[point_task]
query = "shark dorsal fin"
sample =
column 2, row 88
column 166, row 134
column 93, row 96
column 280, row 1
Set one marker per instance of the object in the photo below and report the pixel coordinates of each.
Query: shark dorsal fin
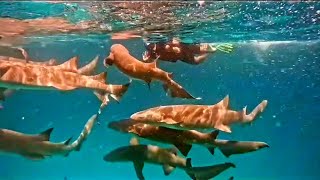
column 102, row 77
column 224, row 102
column 90, row 67
column 214, row 134
column 45, row 135
column 70, row 65
column 67, row 142
column 134, row 141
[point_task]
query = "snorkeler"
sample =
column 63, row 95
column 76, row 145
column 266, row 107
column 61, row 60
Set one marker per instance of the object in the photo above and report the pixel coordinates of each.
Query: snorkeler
column 175, row 50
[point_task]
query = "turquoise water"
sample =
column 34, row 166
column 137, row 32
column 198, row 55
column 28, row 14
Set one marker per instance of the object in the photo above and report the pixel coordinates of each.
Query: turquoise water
column 276, row 58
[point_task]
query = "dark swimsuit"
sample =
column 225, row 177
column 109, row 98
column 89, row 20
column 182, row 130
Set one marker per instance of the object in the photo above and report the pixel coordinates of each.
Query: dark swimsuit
column 187, row 54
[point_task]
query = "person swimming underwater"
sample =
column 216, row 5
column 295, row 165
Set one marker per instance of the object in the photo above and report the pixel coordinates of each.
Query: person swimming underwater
column 175, row 50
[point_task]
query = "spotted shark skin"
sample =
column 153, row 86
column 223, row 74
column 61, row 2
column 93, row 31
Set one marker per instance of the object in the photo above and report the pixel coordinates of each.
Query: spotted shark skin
column 196, row 117
column 147, row 72
column 183, row 140
column 38, row 146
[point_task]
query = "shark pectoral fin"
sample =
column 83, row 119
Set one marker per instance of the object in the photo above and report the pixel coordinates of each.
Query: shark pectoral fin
column 169, row 121
column 33, row 156
column 226, row 152
column 223, row 127
column 70, row 65
column 183, row 148
column 138, row 166
column 167, row 169
column 211, row 150
column 45, row 135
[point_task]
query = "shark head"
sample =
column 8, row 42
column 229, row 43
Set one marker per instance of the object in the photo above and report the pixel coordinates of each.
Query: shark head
column 108, row 61
column 260, row 145
column 122, row 125
column 115, row 49
column 119, row 154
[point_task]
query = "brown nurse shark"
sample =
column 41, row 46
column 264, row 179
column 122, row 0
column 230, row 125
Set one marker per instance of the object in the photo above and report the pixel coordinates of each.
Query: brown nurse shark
column 139, row 154
column 184, row 139
column 88, row 69
column 64, row 77
column 38, row 147
column 189, row 117
column 148, row 72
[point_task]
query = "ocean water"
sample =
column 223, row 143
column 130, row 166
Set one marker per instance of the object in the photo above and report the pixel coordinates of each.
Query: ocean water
column 276, row 57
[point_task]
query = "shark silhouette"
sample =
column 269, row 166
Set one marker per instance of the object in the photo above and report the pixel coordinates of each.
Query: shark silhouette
column 38, row 147
column 184, row 139
column 140, row 154
column 188, row 117
column 148, row 72
column 63, row 77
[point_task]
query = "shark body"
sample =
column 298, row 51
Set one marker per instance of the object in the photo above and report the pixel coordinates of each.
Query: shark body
column 38, row 146
column 185, row 139
column 140, row 154
column 147, row 72
column 194, row 117
column 64, row 77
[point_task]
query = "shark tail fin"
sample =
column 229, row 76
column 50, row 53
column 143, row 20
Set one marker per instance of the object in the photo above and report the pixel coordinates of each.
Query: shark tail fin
column 257, row 111
column 76, row 145
column 176, row 90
